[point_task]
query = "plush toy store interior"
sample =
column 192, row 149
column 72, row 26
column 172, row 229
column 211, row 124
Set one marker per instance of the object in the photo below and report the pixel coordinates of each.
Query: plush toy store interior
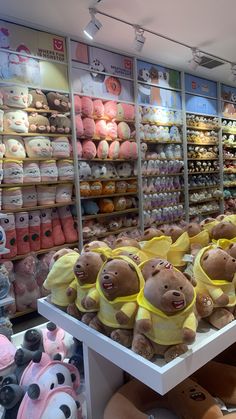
column 117, row 209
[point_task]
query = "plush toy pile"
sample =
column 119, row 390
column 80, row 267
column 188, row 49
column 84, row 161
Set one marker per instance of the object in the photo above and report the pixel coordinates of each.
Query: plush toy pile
column 43, row 376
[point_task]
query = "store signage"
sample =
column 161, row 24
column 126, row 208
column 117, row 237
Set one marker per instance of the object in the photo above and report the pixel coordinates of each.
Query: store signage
column 200, row 86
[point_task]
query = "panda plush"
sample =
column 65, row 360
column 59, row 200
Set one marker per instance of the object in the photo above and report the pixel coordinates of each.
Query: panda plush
column 97, row 66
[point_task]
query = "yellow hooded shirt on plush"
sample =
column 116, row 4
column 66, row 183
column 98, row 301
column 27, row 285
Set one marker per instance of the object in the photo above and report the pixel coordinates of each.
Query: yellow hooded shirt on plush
column 231, row 218
column 178, row 250
column 166, row 330
column 215, row 288
column 128, row 304
column 201, row 238
column 209, row 226
column 156, row 247
column 87, row 290
column 224, row 243
column 60, row 277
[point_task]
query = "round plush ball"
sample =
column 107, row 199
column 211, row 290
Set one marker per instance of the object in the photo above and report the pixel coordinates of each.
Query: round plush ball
column 108, row 187
column 123, row 131
column 112, row 130
column 88, row 150
column 89, row 127
column 114, row 150
column 102, row 149
column 128, row 150
column 106, row 205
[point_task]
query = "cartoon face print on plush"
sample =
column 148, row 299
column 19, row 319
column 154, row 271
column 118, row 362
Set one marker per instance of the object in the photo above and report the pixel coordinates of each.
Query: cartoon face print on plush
column 60, row 123
column 16, row 96
column 97, row 66
column 125, row 242
column 124, row 169
column 15, row 121
column 14, row 147
column 38, row 146
column 223, row 230
column 38, row 123
column 39, row 99
column 58, row 102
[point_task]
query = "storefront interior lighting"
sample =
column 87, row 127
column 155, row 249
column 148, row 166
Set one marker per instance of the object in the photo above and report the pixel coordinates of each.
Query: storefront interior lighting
column 139, row 38
column 93, row 26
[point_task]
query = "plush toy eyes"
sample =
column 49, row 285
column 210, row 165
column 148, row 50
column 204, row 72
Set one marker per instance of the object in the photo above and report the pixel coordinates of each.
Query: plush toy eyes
column 181, row 288
column 6, row 221
column 21, row 218
column 166, row 287
column 66, row 410
column 12, row 91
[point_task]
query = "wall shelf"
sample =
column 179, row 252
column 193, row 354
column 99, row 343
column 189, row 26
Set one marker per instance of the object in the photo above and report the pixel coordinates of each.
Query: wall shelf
column 203, row 173
column 34, row 134
column 42, row 251
column 109, row 195
column 211, row 128
column 38, row 207
column 195, row 188
column 109, row 214
column 57, row 182
column 164, row 174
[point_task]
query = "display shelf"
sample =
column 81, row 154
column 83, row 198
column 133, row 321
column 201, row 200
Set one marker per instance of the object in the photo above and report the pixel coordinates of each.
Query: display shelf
column 195, row 188
column 202, row 158
column 228, row 131
column 157, row 375
column 166, row 159
column 109, row 214
column 39, row 207
column 212, row 128
column 23, row 313
column 42, row 251
column 202, row 143
column 34, row 134
column 202, row 201
column 229, row 171
column 206, row 213
column 102, row 160
column 204, row 173
column 229, row 145
column 162, row 124
column 229, row 158
column 104, row 99
column 120, row 230
column 40, row 110
column 109, row 195
column 115, row 179
column 164, row 174
column 106, row 118
column 230, row 185
column 167, row 205
column 166, row 191
column 37, row 158
column 109, row 139
column 56, row 182
column 156, row 142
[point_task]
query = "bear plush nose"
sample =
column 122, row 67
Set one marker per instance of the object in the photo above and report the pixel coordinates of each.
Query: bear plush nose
column 176, row 294
column 106, row 277
column 78, row 266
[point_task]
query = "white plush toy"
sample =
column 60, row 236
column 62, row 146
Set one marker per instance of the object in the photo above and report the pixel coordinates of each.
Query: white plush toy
column 15, row 121
column 84, row 170
column 38, row 146
column 16, row 96
column 98, row 171
column 14, row 147
column 111, row 172
column 124, row 169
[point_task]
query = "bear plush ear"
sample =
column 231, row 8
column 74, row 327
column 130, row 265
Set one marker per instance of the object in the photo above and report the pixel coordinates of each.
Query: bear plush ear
column 205, row 257
column 103, row 257
column 132, row 267
column 156, row 271
column 191, row 279
column 231, row 245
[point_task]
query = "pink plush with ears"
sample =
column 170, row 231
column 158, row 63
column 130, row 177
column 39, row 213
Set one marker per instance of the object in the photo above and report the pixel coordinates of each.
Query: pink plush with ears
column 8, row 225
column 98, row 108
column 114, row 150
column 87, row 106
column 110, row 109
column 128, row 150
column 25, row 285
column 22, row 232
column 79, row 126
column 46, row 229
column 88, row 150
column 78, row 105
column 89, row 127
column 68, row 225
column 112, row 130
column 79, row 149
column 102, row 149
column 57, row 233
column 34, row 231
column 101, row 129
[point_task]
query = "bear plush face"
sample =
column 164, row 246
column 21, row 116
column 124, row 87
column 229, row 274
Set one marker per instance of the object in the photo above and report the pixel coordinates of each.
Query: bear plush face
column 118, row 278
column 94, row 245
column 150, row 266
column 224, row 230
column 87, row 267
column 126, row 241
column 135, row 258
column 218, row 265
column 168, row 290
column 151, row 232
column 174, row 232
column 193, row 229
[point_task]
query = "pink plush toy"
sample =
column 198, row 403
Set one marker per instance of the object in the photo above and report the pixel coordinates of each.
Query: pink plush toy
column 98, row 108
column 60, row 147
column 128, row 150
column 64, row 193
column 89, row 127
column 125, row 111
column 46, row 229
column 46, row 194
column 15, row 121
column 29, row 196
column 22, row 232
column 34, row 230
column 103, row 149
column 87, row 106
column 48, row 171
column 57, row 233
column 8, row 225
column 12, row 171
column 42, row 271
column 31, row 172
column 123, row 131
column 101, row 129
column 79, row 126
column 1, row 120
column 65, row 169
column 79, row 149
column 88, row 150
column 68, row 225
column 112, row 130
column 12, row 198
column 114, row 150
column 78, row 105
column 25, row 285
column 14, row 147
column 110, row 109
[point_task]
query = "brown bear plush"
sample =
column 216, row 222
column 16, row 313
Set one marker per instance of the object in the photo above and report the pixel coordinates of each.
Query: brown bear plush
column 86, row 270
column 58, row 102
column 118, row 285
column 166, row 320
column 214, row 270
column 149, row 266
column 60, row 123
column 38, row 123
column 150, row 233
column 126, row 242
column 39, row 99
column 232, row 250
column 223, row 230
column 96, row 244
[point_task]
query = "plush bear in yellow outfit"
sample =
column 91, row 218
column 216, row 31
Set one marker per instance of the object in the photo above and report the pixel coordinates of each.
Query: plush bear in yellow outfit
column 224, row 230
column 166, row 319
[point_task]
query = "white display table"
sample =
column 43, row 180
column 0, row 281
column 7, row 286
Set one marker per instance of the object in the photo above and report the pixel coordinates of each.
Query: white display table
column 105, row 360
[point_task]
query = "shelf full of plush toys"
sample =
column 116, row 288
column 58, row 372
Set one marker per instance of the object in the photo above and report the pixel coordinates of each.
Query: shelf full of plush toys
column 134, row 285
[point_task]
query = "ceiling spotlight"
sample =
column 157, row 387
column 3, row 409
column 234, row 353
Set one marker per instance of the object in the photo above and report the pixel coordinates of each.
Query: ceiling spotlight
column 139, row 38
column 196, row 60
column 93, row 26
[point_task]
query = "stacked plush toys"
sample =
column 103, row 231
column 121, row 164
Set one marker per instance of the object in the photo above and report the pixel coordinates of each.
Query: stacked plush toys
column 42, row 377
column 149, row 293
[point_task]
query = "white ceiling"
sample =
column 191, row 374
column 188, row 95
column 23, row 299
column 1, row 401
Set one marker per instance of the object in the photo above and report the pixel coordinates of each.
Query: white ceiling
column 206, row 24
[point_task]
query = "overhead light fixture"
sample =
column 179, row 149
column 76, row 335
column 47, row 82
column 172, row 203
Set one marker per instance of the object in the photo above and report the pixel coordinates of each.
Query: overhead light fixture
column 93, row 26
column 196, row 60
column 139, row 38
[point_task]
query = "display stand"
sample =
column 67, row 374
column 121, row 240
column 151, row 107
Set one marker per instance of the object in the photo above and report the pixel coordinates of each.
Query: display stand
column 105, row 359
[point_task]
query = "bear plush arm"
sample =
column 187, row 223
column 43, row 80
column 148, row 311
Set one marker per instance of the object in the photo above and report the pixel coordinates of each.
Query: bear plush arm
column 126, row 312
column 91, row 301
column 72, row 290
column 189, row 328
column 143, row 320
column 218, row 296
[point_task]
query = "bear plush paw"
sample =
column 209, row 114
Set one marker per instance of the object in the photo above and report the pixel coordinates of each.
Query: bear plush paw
column 188, row 335
column 88, row 303
column 122, row 318
column 175, row 351
column 221, row 317
column 87, row 318
column 124, row 337
column 142, row 346
column 204, row 305
column 222, row 301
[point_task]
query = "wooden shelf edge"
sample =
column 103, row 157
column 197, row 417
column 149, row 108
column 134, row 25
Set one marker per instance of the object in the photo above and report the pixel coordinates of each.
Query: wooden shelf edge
column 109, row 214
column 39, row 207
